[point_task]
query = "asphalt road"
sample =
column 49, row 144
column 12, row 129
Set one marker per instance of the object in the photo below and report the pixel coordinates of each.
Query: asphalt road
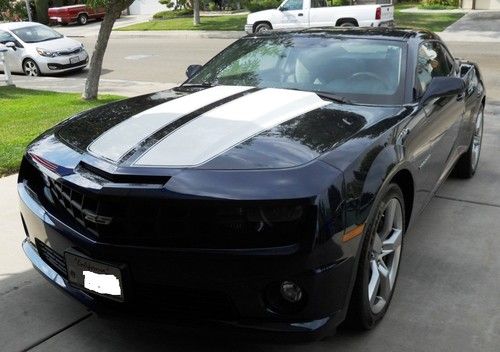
column 448, row 294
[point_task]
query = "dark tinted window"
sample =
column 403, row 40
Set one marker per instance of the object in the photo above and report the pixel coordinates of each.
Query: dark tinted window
column 318, row 3
column 362, row 70
column 432, row 62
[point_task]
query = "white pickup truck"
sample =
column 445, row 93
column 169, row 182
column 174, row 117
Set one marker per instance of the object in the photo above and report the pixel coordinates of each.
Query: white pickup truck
column 299, row 14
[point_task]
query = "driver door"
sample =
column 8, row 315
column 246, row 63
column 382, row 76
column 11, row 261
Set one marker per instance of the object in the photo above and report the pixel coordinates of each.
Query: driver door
column 292, row 15
column 13, row 56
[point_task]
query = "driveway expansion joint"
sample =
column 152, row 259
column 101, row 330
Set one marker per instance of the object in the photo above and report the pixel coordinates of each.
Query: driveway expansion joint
column 469, row 201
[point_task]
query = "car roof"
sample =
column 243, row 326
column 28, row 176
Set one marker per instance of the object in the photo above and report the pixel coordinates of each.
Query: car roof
column 15, row 25
column 393, row 33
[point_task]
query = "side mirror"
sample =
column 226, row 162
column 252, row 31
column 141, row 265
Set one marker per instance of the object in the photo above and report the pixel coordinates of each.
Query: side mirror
column 11, row 45
column 442, row 87
column 282, row 8
column 192, row 70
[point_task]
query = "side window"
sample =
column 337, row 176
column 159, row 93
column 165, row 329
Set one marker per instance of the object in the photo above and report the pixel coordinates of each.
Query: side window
column 292, row 5
column 6, row 37
column 432, row 61
column 318, row 3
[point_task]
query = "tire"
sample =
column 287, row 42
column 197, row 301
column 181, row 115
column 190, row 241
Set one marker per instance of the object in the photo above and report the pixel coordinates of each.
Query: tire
column 347, row 24
column 467, row 164
column 30, row 68
column 263, row 27
column 369, row 300
column 82, row 19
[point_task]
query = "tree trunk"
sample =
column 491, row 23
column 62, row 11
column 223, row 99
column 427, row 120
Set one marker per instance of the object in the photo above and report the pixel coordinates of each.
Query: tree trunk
column 196, row 12
column 92, row 82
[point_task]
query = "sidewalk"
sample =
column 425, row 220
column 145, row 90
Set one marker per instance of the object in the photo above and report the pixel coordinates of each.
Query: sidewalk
column 76, row 85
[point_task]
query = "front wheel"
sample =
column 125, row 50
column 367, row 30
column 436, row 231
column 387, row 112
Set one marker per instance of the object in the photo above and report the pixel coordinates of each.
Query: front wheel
column 379, row 262
column 467, row 164
column 262, row 27
column 30, row 68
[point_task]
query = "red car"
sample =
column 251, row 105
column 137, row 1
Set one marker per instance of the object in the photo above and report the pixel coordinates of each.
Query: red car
column 75, row 13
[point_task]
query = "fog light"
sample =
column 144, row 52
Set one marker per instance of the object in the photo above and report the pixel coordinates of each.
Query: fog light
column 290, row 291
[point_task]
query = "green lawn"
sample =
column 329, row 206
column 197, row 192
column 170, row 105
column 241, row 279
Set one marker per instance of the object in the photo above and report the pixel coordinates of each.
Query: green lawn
column 435, row 22
column 24, row 114
column 208, row 23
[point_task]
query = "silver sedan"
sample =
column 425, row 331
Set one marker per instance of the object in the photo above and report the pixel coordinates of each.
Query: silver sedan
column 35, row 49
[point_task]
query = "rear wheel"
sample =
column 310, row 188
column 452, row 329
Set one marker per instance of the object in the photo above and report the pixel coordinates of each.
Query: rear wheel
column 379, row 262
column 263, row 27
column 82, row 19
column 30, row 68
column 467, row 164
column 347, row 24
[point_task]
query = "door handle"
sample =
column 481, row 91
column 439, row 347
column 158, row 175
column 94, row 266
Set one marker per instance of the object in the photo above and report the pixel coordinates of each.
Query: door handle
column 300, row 14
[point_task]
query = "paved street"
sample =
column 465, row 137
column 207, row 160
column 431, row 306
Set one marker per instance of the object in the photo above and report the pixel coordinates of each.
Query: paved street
column 448, row 290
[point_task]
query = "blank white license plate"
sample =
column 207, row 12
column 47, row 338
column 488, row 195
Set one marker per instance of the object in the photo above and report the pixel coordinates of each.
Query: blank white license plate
column 94, row 276
column 74, row 60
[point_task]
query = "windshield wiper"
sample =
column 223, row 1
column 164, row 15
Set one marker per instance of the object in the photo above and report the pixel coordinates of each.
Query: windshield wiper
column 333, row 97
column 330, row 96
column 198, row 85
column 46, row 39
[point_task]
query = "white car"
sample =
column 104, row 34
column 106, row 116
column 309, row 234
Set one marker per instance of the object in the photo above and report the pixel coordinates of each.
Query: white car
column 35, row 49
column 301, row 14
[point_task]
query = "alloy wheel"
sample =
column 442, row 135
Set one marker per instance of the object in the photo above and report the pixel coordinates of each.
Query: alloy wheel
column 477, row 140
column 30, row 68
column 385, row 255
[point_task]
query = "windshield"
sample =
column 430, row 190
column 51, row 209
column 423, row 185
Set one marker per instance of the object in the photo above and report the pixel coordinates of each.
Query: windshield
column 36, row 34
column 361, row 70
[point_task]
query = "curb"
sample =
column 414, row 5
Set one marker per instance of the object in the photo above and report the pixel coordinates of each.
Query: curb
column 181, row 34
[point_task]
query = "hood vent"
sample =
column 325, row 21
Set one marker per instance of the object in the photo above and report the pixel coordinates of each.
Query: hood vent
column 121, row 178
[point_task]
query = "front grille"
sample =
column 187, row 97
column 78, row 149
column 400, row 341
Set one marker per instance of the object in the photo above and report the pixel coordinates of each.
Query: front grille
column 195, row 302
column 69, row 52
column 146, row 218
column 54, row 259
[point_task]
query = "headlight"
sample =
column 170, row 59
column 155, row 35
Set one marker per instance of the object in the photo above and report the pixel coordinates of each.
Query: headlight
column 46, row 53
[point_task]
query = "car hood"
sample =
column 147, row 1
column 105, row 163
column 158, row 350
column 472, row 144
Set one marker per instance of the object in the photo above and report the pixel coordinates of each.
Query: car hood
column 61, row 44
column 223, row 127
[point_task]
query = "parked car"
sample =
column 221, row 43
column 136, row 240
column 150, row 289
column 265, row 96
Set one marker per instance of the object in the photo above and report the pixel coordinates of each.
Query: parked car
column 270, row 191
column 35, row 49
column 299, row 14
column 75, row 13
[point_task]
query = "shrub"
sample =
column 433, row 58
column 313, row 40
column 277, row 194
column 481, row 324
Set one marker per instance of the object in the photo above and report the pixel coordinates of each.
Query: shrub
column 259, row 5
column 340, row 2
column 439, row 4
column 165, row 15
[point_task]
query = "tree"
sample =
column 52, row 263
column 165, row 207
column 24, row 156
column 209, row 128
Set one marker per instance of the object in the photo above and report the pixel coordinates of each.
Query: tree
column 113, row 10
column 196, row 12
column 42, row 8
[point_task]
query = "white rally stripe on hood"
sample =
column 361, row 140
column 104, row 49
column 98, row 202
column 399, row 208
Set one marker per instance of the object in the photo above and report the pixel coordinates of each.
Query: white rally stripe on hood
column 116, row 142
column 228, row 125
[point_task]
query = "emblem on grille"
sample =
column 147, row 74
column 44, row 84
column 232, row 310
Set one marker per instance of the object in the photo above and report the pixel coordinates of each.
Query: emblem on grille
column 97, row 219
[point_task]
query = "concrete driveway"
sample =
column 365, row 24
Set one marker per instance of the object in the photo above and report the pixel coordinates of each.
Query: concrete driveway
column 447, row 296
column 481, row 26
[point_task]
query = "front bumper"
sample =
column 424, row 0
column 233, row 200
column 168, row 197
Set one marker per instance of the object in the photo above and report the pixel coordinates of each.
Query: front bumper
column 249, row 28
column 240, row 277
column 64, row 63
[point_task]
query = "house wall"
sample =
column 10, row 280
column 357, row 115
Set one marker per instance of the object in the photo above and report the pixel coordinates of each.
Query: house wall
column 146, row 7
column 482, row 4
